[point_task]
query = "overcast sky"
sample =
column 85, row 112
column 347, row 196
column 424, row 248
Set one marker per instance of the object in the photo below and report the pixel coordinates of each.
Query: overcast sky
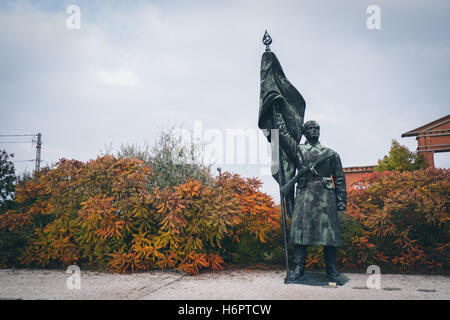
column 136, row 66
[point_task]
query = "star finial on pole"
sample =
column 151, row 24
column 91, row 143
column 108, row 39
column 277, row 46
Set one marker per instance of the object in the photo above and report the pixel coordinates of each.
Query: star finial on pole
column 267, row 40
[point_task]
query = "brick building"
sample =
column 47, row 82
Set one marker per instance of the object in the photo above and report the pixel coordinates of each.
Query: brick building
column 353, row 173
column 432, row 137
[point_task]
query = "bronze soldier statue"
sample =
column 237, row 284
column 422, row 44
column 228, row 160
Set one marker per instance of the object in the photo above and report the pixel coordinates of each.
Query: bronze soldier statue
column 315, row 215
column 314, row 208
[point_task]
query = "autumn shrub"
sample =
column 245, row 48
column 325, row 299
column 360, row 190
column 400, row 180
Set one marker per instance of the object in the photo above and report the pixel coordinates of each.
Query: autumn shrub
column 257, row 233
column 103, row 214
column 399, row 221
column 77, row 211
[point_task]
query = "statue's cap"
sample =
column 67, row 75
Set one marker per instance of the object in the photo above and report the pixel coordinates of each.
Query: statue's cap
column 310, row 123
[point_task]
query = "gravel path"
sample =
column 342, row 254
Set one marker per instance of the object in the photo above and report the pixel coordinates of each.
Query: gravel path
column 227, row 285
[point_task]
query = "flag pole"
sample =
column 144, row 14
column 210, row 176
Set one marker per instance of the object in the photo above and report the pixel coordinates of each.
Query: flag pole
column 276, row 170
column 283, row 213
column 276, row 166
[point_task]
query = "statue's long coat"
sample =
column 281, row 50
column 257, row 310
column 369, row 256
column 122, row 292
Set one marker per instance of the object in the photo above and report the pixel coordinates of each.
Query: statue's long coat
column 315, row 218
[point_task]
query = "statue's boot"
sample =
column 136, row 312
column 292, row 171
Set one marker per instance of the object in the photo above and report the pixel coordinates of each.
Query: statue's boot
column 299, row 263
column 330, row 263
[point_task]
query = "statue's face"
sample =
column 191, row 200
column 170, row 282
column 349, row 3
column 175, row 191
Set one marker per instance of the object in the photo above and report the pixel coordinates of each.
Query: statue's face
column 312, row 132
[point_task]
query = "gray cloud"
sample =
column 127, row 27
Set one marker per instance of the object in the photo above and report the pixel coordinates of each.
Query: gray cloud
column 137, row 65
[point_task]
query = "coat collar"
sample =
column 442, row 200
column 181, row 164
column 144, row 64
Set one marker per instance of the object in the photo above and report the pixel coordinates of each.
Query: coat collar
column 309, row 145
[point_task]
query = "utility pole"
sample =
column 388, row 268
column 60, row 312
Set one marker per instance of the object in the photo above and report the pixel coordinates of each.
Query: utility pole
column 38, row 152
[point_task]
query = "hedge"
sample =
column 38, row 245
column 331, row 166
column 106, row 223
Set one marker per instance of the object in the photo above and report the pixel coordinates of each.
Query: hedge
column 103, row 214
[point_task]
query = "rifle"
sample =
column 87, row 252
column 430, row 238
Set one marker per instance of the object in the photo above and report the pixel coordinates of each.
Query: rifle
column 290, row 184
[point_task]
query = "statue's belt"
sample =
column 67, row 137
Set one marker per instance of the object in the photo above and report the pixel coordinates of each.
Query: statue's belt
column 325, row 181
column 304, row 172
column 314, row 178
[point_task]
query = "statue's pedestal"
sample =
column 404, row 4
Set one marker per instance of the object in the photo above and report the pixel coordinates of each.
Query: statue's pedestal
column 319, row 279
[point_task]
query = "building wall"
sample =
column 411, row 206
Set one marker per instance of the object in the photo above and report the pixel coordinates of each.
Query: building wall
column 437, row 140
column 354, row 173
column 432, row 137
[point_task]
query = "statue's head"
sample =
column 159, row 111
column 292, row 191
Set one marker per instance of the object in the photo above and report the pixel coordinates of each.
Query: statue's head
column 311, row 130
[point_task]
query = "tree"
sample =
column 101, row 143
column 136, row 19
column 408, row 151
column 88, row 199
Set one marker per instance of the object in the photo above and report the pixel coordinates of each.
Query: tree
column 7, row 180
column 171, row 161
column 401, row 159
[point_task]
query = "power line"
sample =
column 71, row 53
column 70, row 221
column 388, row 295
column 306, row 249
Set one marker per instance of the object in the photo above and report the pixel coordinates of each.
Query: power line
column 17, row 135
column 20, row 135
column 16, row 142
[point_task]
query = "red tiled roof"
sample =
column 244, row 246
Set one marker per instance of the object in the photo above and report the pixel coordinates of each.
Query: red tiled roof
column 427, row 127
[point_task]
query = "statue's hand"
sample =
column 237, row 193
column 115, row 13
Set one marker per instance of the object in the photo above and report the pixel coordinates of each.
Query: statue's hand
column 312, row 169
column 277, row 106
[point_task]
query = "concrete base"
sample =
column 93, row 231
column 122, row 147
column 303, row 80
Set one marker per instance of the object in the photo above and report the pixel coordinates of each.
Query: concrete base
column 318, row 279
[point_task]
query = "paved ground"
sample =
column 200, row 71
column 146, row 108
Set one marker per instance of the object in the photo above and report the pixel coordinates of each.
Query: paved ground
column 226, row 285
